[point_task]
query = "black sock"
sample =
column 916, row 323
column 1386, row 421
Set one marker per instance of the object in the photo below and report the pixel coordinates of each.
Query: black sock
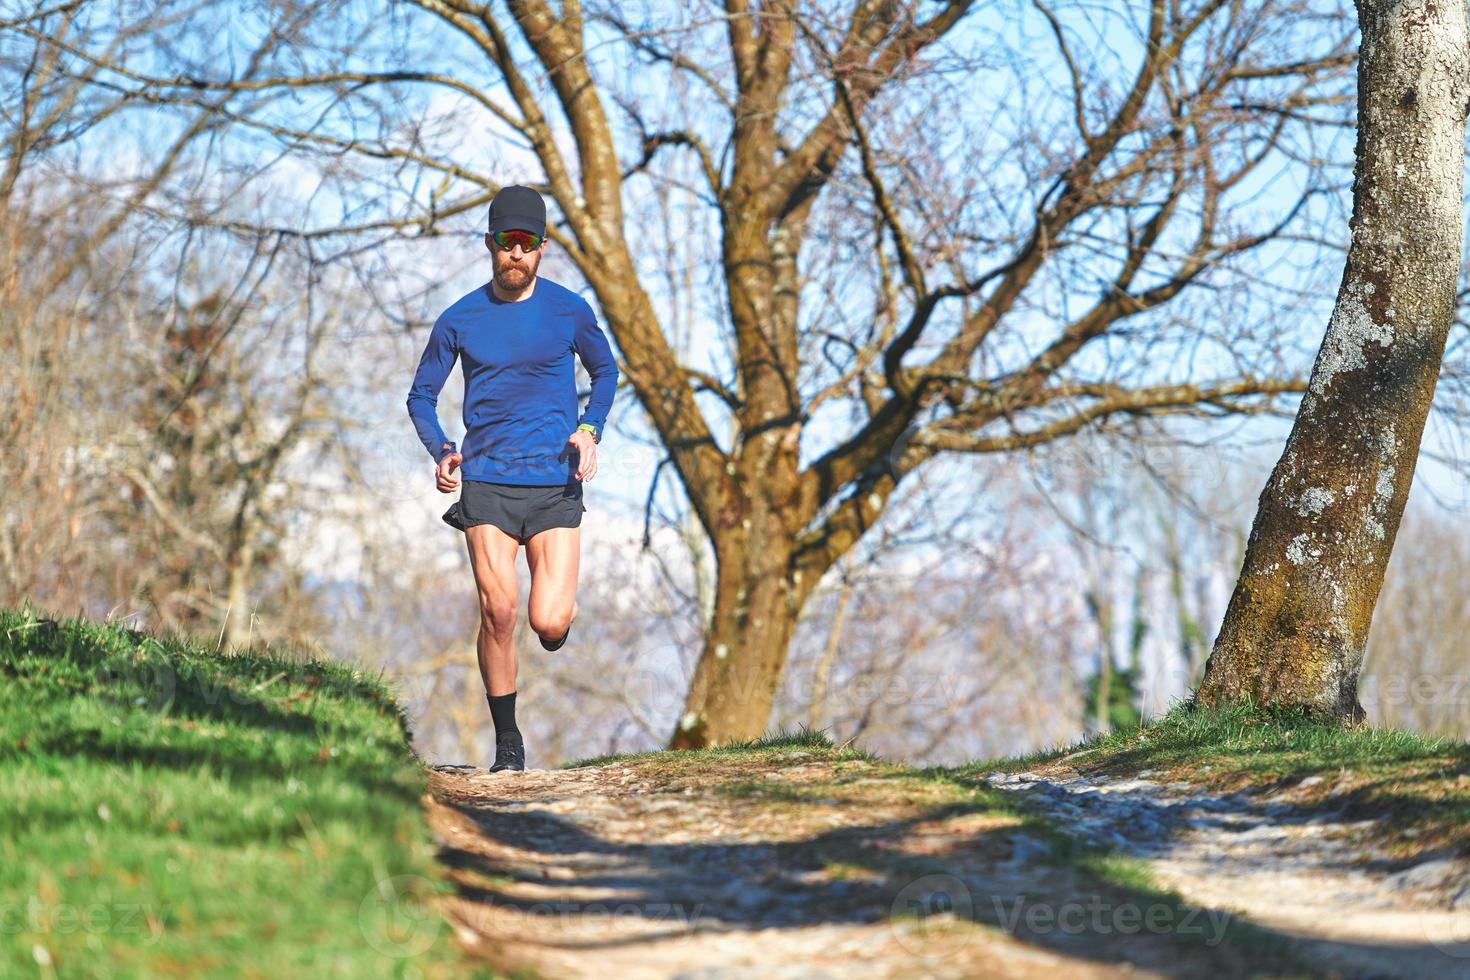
column 503, row 712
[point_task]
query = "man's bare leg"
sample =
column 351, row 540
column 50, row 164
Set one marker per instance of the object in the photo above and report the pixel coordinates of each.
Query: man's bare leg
column 493, row 558
column 553, row 556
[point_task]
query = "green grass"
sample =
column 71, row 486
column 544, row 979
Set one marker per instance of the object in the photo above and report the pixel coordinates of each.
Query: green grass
column 172, row 811
column 1258, row 741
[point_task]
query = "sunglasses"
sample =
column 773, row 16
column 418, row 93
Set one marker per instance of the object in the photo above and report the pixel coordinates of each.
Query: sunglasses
column 507, row 240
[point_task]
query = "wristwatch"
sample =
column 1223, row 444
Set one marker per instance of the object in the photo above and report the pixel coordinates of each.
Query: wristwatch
column 596, row 432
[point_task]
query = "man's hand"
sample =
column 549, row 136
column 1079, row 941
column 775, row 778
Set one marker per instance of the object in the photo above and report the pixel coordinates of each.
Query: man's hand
column 586, row 448
column 448, row 480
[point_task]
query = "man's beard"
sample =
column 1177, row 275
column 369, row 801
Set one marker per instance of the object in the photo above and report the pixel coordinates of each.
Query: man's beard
column 513, row 277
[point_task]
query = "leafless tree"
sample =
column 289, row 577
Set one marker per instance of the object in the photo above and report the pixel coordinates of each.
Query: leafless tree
column 157, row 391
column 1416, row 671
column 216, row 460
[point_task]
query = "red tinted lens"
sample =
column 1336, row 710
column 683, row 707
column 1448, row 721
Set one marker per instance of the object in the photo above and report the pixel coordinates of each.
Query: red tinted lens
column 510, row 239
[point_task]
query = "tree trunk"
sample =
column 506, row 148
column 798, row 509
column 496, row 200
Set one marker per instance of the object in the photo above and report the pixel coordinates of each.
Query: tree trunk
column 1101, row 607
column 758, row 594
column 817, row 706
column 237, row 607
column 1297, row 624
column 734, row 686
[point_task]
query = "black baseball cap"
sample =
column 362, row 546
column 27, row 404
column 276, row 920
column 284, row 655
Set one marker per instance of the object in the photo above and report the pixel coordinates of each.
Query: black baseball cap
column 518, row 208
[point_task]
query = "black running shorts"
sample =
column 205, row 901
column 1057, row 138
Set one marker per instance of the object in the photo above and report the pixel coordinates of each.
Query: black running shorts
column 518, row 511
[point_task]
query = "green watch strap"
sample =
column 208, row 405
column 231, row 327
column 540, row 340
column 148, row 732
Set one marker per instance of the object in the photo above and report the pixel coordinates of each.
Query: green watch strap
column 596, row 434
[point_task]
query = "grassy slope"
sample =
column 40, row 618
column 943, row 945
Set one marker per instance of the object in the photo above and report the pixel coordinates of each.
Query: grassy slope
column 171, row 811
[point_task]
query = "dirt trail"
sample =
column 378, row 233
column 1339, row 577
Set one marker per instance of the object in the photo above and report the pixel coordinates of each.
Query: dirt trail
column 793, row 866
column 613, row 871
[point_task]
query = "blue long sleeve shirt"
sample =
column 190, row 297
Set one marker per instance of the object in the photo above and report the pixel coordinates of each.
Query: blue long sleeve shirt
column 520, row 393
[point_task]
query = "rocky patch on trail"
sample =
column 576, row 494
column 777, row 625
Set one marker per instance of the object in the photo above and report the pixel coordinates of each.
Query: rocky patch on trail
column 1305, row 871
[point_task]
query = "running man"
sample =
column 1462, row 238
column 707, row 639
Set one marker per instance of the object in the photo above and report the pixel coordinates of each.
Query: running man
column 526, row 454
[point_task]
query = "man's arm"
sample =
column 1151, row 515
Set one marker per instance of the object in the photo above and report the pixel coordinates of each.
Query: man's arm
column 423, row 397
column 596, row 353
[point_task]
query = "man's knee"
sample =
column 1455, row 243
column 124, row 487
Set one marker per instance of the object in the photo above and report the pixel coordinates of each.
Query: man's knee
column 551, row 622
column 497, row 612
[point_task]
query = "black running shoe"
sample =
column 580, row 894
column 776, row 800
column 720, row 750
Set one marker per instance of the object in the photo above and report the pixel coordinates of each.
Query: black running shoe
column 554, row 644
column 510, row 752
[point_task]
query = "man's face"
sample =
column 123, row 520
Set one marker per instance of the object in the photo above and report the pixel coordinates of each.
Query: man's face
column 514, row 268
